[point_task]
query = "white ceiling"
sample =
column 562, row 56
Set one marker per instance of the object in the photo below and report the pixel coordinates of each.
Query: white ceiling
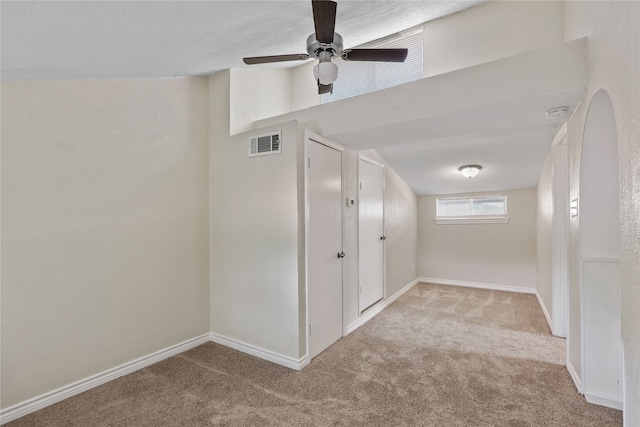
column 509, row 140
column 107, row 39
column 510, row 160
column 122, row 39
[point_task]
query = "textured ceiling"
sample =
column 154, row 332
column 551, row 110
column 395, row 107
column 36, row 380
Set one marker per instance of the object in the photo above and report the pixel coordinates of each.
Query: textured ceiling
column 123, row 39
column 108, row 39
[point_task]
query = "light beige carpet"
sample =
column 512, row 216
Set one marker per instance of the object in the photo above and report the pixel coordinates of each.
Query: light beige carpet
column 438, row 356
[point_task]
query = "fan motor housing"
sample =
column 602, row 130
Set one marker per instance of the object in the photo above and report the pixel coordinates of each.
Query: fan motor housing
column 314, row 47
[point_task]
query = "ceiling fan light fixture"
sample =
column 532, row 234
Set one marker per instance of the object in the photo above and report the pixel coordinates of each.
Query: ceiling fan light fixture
column 469, row 171
column 325, row 43
column 325, row 72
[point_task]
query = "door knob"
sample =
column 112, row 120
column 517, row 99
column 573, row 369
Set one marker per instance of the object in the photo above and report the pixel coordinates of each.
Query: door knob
column 341, row 254
column 383, row 237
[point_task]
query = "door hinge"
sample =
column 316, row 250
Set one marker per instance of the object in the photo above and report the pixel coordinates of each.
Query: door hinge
column 309, row 163
column 360, row 289
column 361, row 185
column 309, row 328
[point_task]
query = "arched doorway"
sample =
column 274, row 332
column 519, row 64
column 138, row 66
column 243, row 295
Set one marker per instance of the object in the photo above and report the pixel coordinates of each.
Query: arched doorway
column 600, row 255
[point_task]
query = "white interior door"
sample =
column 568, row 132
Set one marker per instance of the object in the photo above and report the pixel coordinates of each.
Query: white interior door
column 324, row 245
column 370, row 233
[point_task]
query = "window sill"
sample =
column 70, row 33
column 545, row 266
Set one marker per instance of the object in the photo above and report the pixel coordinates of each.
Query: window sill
column 484, row 220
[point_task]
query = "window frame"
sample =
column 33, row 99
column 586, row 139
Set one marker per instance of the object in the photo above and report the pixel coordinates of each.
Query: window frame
column 473, row 219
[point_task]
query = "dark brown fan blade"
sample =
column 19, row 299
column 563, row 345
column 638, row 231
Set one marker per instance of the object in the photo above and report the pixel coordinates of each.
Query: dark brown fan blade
column 324, row 18
column 322, row 89
column 383, row 55
column 275, row 58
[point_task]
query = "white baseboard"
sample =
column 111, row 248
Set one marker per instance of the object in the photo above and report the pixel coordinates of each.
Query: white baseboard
column 370, row 313
column 603, row 401
column 31, row 405
column 478, row 285
column 544, row 311
column 574, row 377
column 261, row 353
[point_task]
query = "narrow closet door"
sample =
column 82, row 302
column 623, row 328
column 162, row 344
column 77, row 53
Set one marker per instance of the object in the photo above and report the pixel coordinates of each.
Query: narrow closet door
column 370, row 232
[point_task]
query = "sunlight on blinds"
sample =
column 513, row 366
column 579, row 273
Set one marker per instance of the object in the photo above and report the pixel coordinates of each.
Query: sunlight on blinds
column 360, row 77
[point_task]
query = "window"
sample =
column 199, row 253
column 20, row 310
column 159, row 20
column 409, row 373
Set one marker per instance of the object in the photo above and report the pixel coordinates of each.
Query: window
column 360, row 77
column 472, row 210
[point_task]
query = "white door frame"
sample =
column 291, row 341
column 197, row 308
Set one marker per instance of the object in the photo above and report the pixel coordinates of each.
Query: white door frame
column 384, row 246
column 310, row 136
column 560, row 233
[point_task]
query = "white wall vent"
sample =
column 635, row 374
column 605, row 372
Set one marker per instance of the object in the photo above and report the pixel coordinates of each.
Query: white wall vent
column 263, row 145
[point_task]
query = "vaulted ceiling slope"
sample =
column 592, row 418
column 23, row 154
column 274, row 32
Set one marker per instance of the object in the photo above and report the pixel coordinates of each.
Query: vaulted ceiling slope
column 120, row 39
column 492, row 114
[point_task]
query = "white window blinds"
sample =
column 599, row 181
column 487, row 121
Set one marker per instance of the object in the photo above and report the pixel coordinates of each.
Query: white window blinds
column 359, row 77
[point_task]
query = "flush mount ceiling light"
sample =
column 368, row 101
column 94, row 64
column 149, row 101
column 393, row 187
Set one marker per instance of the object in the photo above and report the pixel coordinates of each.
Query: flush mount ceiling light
column 469, row 171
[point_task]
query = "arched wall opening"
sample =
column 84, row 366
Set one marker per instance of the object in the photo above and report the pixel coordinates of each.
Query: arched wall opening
column 600, row 182
column 599, row 216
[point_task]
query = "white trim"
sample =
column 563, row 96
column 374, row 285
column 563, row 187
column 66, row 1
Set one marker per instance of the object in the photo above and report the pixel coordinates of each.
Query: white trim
column 611, row 260
column 369, row 160
column 545, row 312
column 31, row 405
column 377, row 308
column 473, row 220
column 561, row 136
column 603, row 401
column 478, row 285
column 560, row 234
column 321, row 140
column 305, row 167
column 574, row 377
column 261, row 353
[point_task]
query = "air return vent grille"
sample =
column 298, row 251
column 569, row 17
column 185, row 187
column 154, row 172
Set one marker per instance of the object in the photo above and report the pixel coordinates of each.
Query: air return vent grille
column 263, row 145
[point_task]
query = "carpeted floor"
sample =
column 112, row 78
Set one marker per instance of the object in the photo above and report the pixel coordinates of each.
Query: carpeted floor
column 438, row 356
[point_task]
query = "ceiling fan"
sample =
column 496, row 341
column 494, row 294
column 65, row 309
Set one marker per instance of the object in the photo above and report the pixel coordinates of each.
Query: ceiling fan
column 325, row 44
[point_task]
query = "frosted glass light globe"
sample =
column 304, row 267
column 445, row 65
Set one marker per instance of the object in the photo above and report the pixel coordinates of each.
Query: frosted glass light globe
column 469, row 171
column 326, row 72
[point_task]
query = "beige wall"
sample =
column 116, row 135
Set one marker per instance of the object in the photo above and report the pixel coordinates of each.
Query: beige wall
column 544, row 234
column 495, row 254
column 258, row 93
column 254, row 233
column 255, row 94
column 104, row 226
column 490, row 31
column 614, row 65
column 304, row 89
column 262, row 220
